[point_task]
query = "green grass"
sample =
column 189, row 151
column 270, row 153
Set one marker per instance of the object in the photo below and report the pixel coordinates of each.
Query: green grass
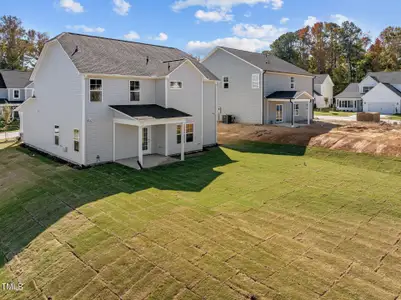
column 273, row 221
column 13, row 126
column 395, row 117
column 334, row 113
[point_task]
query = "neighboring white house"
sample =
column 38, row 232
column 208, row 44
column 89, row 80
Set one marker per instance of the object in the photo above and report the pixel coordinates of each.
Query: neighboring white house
column 15, row 88
column 100, row 100
column 323, row 90
column 261, row 89
column 377, row 92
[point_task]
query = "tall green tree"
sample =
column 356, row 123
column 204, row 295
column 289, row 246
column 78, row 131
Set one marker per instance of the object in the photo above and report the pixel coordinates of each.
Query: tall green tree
column 391, row 41
column 285, row 47
column 19, row 48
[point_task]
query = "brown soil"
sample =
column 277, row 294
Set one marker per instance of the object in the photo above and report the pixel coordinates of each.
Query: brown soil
column 373, row 138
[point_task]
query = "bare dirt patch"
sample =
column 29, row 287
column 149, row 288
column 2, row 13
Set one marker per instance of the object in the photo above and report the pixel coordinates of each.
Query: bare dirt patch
column 379, row 139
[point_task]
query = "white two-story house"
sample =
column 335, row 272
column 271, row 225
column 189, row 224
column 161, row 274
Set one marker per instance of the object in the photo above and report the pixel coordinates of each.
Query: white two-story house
column 377, row 92
column 323, row 90
column 261, row 89
column 15, row 87
column 101, row 100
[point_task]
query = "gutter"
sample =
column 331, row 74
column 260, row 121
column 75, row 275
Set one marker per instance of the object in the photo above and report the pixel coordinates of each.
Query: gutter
column 263, row 97
column 292, row 112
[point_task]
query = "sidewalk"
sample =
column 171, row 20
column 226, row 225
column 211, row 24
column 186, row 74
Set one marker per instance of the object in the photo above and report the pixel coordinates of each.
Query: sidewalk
column 9, row 135
column 383, row 118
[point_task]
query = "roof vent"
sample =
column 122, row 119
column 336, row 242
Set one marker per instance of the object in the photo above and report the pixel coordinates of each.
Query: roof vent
column 168, row 66
column 147, row 59
column 76, row 50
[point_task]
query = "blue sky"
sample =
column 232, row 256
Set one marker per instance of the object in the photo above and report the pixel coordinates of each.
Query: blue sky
column 197, row 26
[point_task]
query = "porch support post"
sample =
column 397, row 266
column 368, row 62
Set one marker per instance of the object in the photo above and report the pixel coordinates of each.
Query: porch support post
column 183, row 127
column 114, row 141
column 309, row 112
column 140, row 150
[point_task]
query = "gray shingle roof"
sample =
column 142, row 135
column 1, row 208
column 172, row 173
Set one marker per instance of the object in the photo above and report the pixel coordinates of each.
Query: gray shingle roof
column 100, row 55
column 149, row 110
column 351, row 91
column 269, row 63
column 320, row 78
column 386, row 77
column 14, row 79
column 285, row 95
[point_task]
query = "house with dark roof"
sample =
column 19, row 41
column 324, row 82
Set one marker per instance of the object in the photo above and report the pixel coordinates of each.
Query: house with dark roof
column 101, row 100
column 261, row 88
column 377, row 92
column 323, row 90
column 15, row 87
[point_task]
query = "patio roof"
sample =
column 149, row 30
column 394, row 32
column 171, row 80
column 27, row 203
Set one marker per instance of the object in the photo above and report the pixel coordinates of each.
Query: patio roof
column 289, row 95
column 149, row 110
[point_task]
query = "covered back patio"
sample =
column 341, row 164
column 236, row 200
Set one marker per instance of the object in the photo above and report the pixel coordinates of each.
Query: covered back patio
column 289, row 108
column 140, row 134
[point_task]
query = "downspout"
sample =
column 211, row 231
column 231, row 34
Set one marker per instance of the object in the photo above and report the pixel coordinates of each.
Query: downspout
column 263, row 97
column 292, row 112
column 313, row 100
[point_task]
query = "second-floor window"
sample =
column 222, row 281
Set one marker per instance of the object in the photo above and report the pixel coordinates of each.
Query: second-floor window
column 255, row 81
column 95, row 90
column 176, row 85
column 366, row 89
column 134, row 91
column 292, row 82
column 16, row 94
column 226, row 82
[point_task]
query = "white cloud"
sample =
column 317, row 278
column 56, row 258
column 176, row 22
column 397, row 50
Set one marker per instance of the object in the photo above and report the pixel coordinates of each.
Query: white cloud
column 121, row 7
column 265, row 32
column 339, row 19
column 131, row 36
column 223, row 4
column 202, row 48
column 311, row 21
column 284, row 20
column 71, row 6
column 161, row 37
column 214, row 16
column 248, row 14
column 85, row 28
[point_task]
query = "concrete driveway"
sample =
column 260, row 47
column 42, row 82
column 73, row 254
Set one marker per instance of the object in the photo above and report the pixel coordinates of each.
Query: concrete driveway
column 9, row 135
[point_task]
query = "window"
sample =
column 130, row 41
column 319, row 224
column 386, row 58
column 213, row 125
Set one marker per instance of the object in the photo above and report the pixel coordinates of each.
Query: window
column 366, row 89
column 175, row 85
column 296, row 110
column 134, row 91
column 56, row 135
column 95, row 90
column 189, row 133
column 255, row 81
column 292, row 83
column 226, row 82
column 76, row 140
column 16, row 94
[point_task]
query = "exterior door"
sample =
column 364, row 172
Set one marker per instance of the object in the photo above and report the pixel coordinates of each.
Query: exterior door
column 279, row 113
column 146, row 140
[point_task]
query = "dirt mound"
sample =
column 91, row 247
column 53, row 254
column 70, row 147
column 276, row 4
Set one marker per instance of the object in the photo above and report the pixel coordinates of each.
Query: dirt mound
column 381, row 138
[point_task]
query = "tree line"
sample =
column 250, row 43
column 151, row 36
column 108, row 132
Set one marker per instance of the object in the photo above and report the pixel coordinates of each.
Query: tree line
column 343, row 51
column 19, row 47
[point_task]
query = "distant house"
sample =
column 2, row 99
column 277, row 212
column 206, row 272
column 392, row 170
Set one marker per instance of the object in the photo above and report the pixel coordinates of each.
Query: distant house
column 101, row 100
column 15, row 87
column 377, row 92
column 261, row 89
column 323, row 90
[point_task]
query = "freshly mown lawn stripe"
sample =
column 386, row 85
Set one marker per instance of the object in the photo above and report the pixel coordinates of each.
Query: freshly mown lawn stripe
column 248, row 219
column 334, row 113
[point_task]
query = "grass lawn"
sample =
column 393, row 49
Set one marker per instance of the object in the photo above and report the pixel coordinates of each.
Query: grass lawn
column 276, row 222
column 395, row 117
column 334, row 113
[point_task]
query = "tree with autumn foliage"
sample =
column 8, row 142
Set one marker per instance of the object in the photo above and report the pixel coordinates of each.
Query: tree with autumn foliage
column 19, row 48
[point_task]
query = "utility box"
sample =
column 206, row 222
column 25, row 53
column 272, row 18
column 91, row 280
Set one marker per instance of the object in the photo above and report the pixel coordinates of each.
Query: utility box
column 228, row 119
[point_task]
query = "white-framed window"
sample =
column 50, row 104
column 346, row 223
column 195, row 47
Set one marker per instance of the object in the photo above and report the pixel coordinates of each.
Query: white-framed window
column 56, row 135
column 226, row 82
column 189, row 133
column 292, row 82
column 76, row 140
column 255, row 81
column 16, row 94
column 134, row 91
column 296, row 110
column 366, row 89
column 95, row 90
column 175, row 85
